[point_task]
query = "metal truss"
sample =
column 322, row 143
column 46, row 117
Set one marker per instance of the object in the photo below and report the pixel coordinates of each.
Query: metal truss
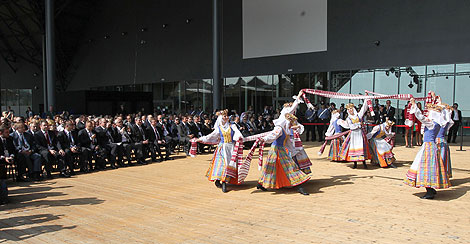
column 16, row 38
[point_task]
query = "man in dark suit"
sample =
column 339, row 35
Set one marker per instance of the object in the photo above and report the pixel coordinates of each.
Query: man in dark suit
column 90, row 149
column 46, row 142
column 81, row 123
column 311, row 116
column 456, row 116
column 139, row 137
column 105, row 141
column 69, row 143
column 26, row 156
column 7, row 152
column 184, row 134
column 195, row 127
column 157, row 142
column 389, row 111
column 173, row 129
column 124, row 136
column 163, row 127
column 193, row 131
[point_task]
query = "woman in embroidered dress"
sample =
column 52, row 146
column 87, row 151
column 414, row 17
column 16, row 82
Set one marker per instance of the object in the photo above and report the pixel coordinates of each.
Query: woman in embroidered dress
column 333, row 129
column 299, row 155
column 280, row 170
column 355, row 147
column 221, row 168
column 441, row 142
column 381, row 150
column 427, row 169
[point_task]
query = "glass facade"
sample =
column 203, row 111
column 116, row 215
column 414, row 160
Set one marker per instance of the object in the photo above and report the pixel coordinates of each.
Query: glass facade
column 17, row 99
column 450, row 81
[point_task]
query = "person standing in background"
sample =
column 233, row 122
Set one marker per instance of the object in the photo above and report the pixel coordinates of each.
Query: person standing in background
column 457, row 118
column 323, row 117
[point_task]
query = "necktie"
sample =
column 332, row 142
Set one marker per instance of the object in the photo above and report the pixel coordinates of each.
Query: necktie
column 156, row 133
column 47, row 138
column 142, row 132
column 5, row 152
column 22, row 141
column 71, row 138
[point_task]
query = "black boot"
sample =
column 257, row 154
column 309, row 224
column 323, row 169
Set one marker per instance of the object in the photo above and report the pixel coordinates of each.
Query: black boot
column 302, row 191
column 392, row 166
column 217, row 184
column 355, row 165
column 224, row 187
column 365, row 165
column 260, row 187
column 430, row 193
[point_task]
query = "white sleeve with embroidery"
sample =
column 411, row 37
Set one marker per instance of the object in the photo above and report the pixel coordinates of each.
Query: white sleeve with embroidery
column 424, row 121
column 363, row 109
column 213, row 137
column 343, row 123
column 273, row 135
column 372, row 133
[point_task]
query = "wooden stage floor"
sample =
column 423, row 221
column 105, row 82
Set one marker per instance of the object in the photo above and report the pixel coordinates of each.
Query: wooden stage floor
column 172, row 202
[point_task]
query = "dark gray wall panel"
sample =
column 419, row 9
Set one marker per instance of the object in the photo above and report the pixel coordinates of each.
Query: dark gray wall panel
column 410, row 32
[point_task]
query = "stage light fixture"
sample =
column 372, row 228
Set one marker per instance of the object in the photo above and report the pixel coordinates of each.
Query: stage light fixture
column 124, row 33
column 410, row 85
column 433, row 72
column 164, row 26
column 377, row 43
column 143, row 29
column 392, row 70
column 142, row 42
column 447, row 77
column 398, row 74
column 106, row 37
column 188, row 20
column 35, row 74
column 387, row 73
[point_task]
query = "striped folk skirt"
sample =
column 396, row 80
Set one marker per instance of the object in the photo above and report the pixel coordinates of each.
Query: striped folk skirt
column 280, row 170
column 220, row 163
column 355, row 147
column 303, row 161
column 444, row 150
column 335, row 149
column 427, row 169
column 381, row 152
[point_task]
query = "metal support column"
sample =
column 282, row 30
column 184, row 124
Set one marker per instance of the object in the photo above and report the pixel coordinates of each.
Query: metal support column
column 50, row 53
column 216, row 76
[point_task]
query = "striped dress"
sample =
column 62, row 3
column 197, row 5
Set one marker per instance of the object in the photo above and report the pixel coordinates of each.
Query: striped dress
column 280, row 170
column 299, row 155
column 427, row 169
column 335, row 145
column 380, row 149
column 355, row 147
column 220, row 163
column 444, row 150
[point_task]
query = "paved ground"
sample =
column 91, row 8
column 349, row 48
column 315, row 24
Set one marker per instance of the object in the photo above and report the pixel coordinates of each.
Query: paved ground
column 172, row 202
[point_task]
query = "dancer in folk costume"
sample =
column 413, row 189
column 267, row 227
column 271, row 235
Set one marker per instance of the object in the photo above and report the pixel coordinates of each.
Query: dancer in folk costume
column 427, row 169
column 280, row 170
column 299, row 155
column 380, row 149
column 441, row 141
column 355, row 147
column 334, row 129
column 222, row 168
